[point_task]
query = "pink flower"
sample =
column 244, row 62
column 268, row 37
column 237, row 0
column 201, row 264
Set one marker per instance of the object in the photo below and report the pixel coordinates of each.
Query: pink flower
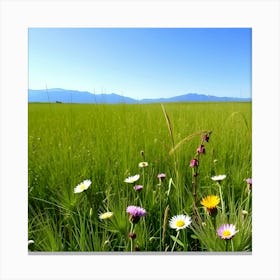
column 205, row 137
column 194, row 163
column 138, row 188
column 226, row 231
column 161, row 176
column 201, row 149
column 249, row 181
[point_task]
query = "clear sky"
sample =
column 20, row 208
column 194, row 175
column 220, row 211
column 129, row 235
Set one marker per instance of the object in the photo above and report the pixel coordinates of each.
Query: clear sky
column 142, row 62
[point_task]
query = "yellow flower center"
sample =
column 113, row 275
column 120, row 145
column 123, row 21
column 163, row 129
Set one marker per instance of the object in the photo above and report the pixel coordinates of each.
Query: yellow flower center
column 180, row 223
column 226, row 233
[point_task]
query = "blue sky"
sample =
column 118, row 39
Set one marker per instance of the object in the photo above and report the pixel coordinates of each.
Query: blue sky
column 142, row 62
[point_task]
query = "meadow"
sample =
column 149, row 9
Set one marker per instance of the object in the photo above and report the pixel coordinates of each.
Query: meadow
column 84, row 194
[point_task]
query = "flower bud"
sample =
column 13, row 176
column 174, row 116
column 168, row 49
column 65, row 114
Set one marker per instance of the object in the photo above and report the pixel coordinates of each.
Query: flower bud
column 194, row 163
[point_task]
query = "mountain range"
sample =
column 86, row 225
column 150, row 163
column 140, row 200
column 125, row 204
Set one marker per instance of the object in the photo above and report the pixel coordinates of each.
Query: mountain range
column 58, row 95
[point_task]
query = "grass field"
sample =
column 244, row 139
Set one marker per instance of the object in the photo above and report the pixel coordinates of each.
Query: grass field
column 70, row 143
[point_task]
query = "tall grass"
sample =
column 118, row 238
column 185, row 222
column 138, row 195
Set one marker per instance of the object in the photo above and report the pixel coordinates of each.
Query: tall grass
column 69, row 143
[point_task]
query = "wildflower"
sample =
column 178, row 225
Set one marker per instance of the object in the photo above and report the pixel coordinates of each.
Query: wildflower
column 143, row 164
column 210, row 202
column 161, row 176
column 249, row 183
column 206, row 137
column 135, row 213
column 138, row 188
column 106, row 215
column 132, row 179
column 194, row 163
column 215, row 160
column 201, row 149
column 180, row 222
column 132, row 235
column 218, row 178
column 226, row 231
column 30, row 242
column 82, row 186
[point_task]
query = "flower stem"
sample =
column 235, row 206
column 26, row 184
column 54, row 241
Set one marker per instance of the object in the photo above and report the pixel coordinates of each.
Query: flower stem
column 175, row 241
column 227, row 245
column 232, row 248
column 195, row 194
column 221, row 197
column 131, row 239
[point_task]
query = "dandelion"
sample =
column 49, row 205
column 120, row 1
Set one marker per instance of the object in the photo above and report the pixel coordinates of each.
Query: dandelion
column 194, row 163
column 106, row 215
column 226, row 231
column 143, row 164
column 179, row 222
column 82, row 186
column 218, row 178
column 132, row 179
column 138, row 188
column 201, row 149
column 135, row 213
column 210, row 202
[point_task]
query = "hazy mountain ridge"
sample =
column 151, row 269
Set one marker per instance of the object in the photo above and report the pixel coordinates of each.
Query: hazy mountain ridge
column 73, row 96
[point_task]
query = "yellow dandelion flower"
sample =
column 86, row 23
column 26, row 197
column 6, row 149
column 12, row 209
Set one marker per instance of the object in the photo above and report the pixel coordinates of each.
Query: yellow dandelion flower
column 210, row 202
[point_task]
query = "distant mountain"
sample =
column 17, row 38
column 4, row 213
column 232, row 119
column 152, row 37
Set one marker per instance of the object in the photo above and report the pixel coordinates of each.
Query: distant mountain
column 73, row 96
column 195, row 97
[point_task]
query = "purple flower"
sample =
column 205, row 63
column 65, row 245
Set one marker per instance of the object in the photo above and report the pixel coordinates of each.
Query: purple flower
column 249, row 181
column 194, row 163
column 201, row 149
column 135, row 213
column 161, row 176
column 226, row 231
column 138, row 188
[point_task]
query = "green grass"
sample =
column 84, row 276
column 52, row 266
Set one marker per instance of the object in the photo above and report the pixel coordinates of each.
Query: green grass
column 68, row 143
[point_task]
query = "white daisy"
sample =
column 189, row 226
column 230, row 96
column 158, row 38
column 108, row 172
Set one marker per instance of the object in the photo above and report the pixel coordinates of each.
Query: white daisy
column 218, row 178
column 82, row 186
column 180, row 222
column 132, row 179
